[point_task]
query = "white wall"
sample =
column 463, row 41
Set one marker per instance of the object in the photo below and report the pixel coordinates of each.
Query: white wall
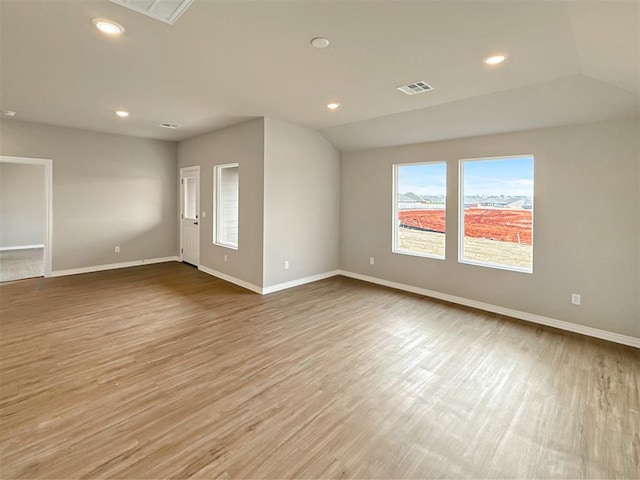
column 301, row 203
column 242, row 144
column 586, row 234
column 22, row 205
column 108, row 190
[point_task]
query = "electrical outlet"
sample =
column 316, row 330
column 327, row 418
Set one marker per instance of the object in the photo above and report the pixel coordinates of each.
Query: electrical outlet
column 117, row 249
column 575, row 298
column 204, row 214
column 372, row 261
column 225, row 259
column 286, row 264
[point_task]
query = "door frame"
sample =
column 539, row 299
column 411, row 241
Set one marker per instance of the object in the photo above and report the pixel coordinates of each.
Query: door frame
column 48, row 195
column 194, row 168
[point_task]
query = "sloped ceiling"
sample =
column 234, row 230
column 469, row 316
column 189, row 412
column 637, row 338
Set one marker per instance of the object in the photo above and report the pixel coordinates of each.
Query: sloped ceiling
column 226, row 61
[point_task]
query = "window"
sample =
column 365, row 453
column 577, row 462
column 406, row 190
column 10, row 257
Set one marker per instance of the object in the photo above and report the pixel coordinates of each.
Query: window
column 496, row 214
column 225, row 199
column 190, row 195
column 419, row 209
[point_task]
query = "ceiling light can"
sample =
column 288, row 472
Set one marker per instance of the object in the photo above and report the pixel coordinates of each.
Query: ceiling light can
column 122, row 113
column 320, row 42
column 333, row 105
column 108, row 26
column 495, row 59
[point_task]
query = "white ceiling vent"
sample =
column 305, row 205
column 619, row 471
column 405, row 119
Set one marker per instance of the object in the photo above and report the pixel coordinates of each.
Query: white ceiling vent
column 167, row 11
column 415, row 87
column 169, row 125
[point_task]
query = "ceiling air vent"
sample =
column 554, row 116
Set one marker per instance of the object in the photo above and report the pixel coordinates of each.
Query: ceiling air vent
column 415, row 87
column 167, row 11
column 169, row 125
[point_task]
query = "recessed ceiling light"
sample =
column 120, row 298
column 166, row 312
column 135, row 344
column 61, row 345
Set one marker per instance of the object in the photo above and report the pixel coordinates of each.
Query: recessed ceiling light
column 333, row 106
column 122, row 113
column 108, row 26
column 320, row 42
column 8, row 113
column 495, row 59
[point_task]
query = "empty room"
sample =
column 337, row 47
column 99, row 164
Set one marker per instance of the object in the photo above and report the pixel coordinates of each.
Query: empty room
column 319, row 239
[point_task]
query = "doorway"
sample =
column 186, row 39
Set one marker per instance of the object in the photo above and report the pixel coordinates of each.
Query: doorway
column 26, row 186
column 189, row 215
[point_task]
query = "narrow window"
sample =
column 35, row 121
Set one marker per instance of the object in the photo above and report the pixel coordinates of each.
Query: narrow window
column 496, row 212
column 226, row 187
column 190, row 196
column 420, row 191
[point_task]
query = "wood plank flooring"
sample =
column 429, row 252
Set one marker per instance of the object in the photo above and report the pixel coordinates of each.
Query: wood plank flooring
column 162, row 371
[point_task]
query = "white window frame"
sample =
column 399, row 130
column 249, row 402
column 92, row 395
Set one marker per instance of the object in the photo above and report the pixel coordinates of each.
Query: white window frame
column 217, row 202
column 498, row 266
column 394, row 220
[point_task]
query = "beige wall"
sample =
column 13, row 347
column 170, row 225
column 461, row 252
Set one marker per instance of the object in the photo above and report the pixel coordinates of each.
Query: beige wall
column 108, row 190
column 301, row 203
column 586, row 234
column 242, row 144
column 22, row 205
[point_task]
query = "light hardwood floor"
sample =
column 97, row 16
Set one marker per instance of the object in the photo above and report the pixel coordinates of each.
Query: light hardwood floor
column 162, row 371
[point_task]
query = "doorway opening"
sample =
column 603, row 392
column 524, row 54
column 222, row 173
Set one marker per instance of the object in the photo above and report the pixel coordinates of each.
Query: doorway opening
column 26, row 186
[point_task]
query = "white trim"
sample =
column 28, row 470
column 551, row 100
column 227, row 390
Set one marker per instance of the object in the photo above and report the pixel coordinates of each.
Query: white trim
column 299, row 281
column 48, row 221
column 113, row 266
column 272, row 288
column 530, row 317
column 230, row 279
column 21, row 247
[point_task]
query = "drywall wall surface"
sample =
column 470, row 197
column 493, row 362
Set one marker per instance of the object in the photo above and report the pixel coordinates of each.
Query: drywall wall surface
column 242, row 144
column 22, row 205
column 587, row 224
column 108, row 190
column 301, row 203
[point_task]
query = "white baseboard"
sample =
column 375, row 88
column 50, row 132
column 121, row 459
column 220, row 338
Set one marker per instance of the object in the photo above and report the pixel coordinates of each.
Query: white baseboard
column 299, row 281
column 112, row 266
column 230, row 279
column 272, row 288
column 530, row 317
column 21, row 247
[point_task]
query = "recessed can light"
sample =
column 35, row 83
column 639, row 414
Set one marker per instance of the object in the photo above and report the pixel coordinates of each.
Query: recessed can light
column 108, row 26
column 122, row 113
column 495, row 59
column 333, row 106
column 8, row 113
column 320, row 42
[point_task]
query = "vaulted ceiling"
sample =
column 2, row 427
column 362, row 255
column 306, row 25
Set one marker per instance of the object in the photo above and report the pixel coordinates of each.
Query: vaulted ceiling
column 226, row 61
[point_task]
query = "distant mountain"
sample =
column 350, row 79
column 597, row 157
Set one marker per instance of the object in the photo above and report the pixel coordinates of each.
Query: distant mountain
column 409, row 197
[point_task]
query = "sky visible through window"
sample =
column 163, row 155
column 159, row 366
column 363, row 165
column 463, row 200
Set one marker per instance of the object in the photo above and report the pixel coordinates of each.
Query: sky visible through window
column 423, row 179
column 511, row 177
column 482, row 177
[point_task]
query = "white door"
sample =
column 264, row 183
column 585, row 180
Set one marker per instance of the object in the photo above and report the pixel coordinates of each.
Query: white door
column 189, row 218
